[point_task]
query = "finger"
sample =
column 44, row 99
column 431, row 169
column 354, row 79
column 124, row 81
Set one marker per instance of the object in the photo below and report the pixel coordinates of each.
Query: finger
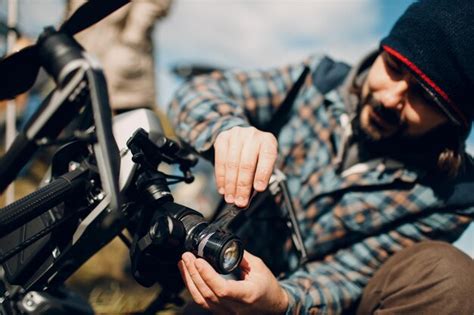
column 248, row 164
column 200, row 285
column 266, row 161
column 220, row 153
column 232, row 164
column 244, row 263
column 196, row 295
column 222, row 288
column 249, row 263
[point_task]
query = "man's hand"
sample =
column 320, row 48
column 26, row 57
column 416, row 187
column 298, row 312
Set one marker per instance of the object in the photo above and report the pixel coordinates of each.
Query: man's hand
column 244, row 158
column 257, row 293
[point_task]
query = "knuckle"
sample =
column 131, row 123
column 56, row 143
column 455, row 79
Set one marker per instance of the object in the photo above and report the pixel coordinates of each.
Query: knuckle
column 229, row 187
column 252, row 130
column 247, row 166
column 268, row 149
column 232, row 165
column 268, row 153
column 219, row 168
column 270, row 139
column 265, row 174
column 243, row 190
column 221, row 137
column 235, row 131
column 244, row 182
column 265, row 169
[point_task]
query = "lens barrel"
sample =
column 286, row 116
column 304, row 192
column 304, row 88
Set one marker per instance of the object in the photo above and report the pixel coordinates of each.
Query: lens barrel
column 222, row 250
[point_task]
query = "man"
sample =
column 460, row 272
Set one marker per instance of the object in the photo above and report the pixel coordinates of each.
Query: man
column 376, row 165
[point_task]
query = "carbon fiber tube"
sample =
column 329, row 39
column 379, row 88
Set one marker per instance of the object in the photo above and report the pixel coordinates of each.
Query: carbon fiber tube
column 25, row 209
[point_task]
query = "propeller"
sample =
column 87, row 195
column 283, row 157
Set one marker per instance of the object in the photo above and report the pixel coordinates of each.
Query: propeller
column 18, row 72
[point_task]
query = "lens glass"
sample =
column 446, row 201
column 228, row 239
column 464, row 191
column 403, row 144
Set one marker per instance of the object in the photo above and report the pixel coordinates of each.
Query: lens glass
column 231, row 255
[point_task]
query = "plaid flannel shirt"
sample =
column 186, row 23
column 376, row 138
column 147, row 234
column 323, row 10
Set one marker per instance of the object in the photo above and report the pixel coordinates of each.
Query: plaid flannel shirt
column 351, row 221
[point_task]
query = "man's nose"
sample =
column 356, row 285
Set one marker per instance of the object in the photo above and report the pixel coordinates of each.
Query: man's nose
column 394, row 95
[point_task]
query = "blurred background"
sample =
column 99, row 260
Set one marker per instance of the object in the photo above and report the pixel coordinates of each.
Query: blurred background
column 197, row 35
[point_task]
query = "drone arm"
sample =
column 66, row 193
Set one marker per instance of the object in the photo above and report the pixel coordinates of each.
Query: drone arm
column 106, row 149
column 22, row 211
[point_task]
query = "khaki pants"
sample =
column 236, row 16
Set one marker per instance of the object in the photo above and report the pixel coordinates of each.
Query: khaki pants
column 427, row 278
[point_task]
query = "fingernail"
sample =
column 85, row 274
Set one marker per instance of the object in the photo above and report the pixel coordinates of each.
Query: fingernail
column 241, row 201
column 229, row 198
column 260, row 185
column 186, row 258
column 221, row 190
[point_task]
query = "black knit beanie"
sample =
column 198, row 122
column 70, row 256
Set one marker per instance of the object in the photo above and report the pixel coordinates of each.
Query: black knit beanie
column 435, row 41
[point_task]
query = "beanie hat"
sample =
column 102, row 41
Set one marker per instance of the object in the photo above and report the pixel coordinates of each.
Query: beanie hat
column 434, row 39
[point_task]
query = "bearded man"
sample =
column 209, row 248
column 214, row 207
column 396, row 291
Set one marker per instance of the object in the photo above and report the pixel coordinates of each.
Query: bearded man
column 375, row 162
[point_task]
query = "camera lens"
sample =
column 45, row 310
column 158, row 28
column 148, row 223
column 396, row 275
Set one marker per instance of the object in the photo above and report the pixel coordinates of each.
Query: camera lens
column 222, row 250
column 231, row 258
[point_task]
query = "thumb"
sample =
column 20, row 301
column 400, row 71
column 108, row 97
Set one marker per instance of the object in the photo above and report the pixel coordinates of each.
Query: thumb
column 250, row 261
column 250, row 257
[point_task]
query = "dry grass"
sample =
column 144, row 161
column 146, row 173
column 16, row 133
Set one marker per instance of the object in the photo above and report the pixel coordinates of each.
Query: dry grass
column 108, row 288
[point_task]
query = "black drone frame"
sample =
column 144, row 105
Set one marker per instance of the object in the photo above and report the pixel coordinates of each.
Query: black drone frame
column 87, row 166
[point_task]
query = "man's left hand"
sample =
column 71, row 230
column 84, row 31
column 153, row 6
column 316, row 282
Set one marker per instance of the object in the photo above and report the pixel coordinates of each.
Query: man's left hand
column 258, row 292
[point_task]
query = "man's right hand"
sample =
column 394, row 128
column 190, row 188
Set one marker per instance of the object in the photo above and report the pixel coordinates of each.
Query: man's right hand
column 244, row 158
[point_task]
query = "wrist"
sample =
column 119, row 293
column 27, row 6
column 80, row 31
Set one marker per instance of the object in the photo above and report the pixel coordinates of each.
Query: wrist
column 283, row 301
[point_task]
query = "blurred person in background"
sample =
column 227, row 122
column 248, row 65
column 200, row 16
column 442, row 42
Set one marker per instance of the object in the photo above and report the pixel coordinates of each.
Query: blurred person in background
column 123, row 44
column 376, row 165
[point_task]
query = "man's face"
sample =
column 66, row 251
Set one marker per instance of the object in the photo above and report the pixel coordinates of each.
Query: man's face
column 393, row 102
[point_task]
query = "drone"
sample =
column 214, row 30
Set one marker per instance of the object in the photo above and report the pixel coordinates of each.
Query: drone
column 104, row 178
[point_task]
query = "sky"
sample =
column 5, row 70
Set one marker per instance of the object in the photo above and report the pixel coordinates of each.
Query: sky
column 252, row 34
column 267, row 33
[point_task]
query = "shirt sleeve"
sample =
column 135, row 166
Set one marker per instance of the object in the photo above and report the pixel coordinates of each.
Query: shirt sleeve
column 335, row 284
column 209, row 104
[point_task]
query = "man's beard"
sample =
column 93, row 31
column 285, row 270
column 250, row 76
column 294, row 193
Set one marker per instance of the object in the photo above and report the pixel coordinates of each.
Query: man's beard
column 379, row 123
column 397, row 144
